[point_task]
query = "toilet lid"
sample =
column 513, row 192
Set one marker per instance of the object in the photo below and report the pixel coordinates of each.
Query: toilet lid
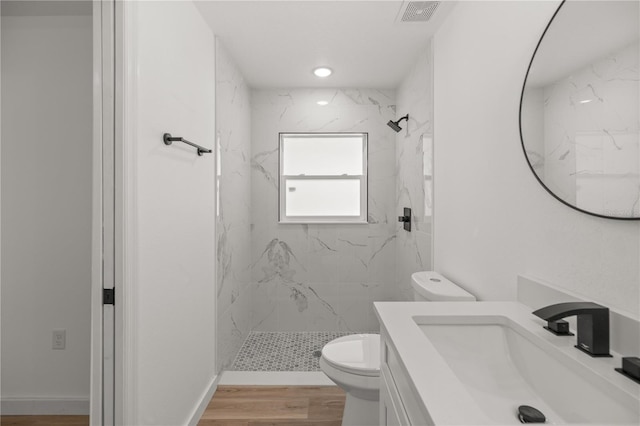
column 356, row 354
column 436, row 288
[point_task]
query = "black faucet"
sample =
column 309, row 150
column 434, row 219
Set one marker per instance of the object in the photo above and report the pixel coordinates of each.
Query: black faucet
column 593, row 324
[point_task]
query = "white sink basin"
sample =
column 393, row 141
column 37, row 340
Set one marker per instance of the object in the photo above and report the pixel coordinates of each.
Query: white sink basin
column 471, row 363
column 502, row 368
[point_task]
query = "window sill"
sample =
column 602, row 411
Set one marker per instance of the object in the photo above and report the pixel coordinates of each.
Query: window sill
column 323, row 222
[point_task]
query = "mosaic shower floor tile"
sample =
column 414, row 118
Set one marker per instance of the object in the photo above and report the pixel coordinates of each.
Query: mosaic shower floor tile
column 282, row 351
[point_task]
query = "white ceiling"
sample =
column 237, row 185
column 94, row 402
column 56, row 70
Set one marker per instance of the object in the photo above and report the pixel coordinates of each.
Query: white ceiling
column 278, row 43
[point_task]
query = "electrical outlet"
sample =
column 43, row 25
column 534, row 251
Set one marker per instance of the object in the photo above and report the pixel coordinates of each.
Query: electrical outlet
column 59, row 339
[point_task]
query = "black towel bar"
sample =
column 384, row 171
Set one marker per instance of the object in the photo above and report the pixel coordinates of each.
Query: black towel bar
column 168, row 140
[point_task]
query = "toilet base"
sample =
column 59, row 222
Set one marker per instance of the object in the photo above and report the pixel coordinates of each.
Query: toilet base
column 360, row 412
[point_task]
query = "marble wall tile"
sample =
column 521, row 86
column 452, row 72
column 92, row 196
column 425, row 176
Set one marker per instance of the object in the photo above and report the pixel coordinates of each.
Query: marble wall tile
column 233, row 327
column 233, row 129
column 414, row 159
column 321, row 277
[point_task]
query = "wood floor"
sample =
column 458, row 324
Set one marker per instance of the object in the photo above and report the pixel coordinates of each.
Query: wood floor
column 242, row 406
column 275, row 405
column 44, row 420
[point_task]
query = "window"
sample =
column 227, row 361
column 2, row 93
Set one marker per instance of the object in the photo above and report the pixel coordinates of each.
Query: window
column 323, row 177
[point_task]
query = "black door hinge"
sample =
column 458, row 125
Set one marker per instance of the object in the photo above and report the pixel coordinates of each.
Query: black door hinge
column 108, row 296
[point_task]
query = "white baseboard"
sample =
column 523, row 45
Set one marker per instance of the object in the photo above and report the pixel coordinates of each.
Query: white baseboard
column 44, row 406
column 204, row 401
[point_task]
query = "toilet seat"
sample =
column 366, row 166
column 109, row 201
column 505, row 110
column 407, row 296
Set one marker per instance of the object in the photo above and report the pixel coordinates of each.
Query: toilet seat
column 357, row 354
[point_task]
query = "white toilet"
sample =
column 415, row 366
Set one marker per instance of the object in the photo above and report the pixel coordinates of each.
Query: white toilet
column 353, row 362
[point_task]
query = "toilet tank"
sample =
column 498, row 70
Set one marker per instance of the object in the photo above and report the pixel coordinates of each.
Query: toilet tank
column 432, row 287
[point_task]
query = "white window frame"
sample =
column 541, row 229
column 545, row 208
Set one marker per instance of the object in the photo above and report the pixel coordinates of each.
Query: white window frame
column 364, row 208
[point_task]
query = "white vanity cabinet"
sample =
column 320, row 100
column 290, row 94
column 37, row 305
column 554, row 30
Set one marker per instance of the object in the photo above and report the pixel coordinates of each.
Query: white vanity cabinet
column 399, row 405
column 391, row 409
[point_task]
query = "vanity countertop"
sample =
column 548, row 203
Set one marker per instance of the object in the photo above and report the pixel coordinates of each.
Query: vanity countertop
column 443, row 396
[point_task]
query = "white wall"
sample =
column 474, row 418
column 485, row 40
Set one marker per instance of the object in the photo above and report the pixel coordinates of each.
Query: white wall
column 494, row 220
column 233, row 135
column 321, row 277
column 414, row 160
column 46, row 204
column 173, row 194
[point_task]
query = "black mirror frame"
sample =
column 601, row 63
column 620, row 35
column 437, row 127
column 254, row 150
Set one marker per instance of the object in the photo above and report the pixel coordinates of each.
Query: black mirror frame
column 524, row 151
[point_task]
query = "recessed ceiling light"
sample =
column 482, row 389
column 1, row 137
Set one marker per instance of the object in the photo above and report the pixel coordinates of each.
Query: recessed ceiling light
column 323, row 103
column 322, row 72
column 586, row 101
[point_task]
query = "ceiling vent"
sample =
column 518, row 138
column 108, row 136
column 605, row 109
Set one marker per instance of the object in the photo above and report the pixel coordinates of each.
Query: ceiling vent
column 418, row 11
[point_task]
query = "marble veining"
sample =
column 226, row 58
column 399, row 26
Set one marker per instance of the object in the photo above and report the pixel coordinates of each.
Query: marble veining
column 310, row 277
column 233, row 254
column 257, row 161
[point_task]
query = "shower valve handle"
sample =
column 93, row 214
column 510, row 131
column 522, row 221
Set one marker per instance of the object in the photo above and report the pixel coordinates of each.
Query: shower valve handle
column 406, row 219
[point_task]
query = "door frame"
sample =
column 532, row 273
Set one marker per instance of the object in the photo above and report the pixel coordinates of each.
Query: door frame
column 125, row 217
column 108, row 401
column 100, row 398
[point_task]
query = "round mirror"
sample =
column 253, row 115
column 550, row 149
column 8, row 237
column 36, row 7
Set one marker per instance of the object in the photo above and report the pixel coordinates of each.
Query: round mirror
column 579, row 113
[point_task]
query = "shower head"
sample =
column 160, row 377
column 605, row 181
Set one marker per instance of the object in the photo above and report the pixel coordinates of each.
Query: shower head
column 395, row 125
